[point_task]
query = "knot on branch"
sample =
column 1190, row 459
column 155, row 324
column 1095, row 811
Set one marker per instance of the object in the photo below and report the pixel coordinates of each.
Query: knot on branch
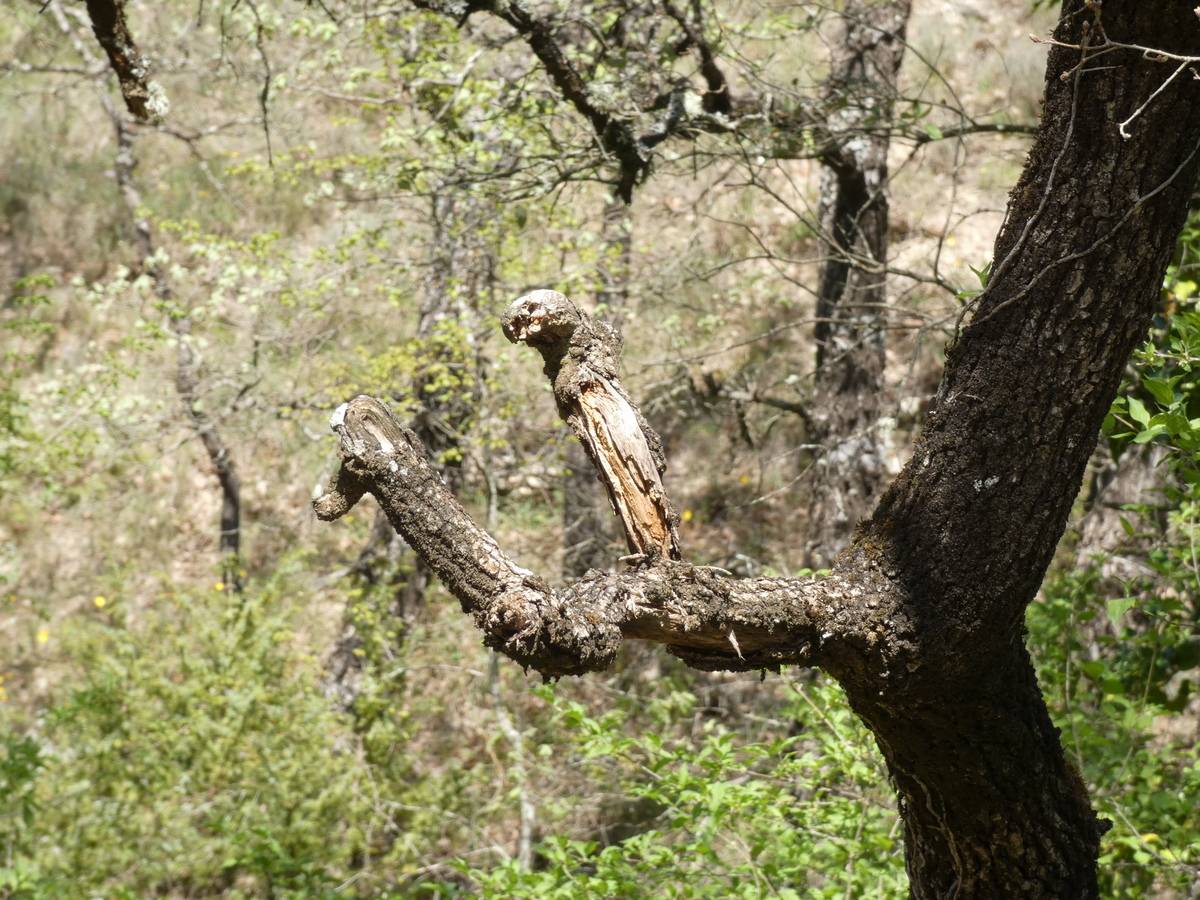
column 364, row 425
column 563, row 334
column 542, row 319
column 365, row 428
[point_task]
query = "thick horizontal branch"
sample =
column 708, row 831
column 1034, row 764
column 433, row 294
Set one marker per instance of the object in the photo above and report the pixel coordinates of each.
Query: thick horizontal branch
column 706, row 617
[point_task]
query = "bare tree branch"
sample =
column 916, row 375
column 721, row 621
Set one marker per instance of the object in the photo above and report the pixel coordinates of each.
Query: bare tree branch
column 700, row 614
column 144, row 98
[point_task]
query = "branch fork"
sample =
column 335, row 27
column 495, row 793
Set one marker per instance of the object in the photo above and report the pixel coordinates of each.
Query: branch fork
column 701, row 614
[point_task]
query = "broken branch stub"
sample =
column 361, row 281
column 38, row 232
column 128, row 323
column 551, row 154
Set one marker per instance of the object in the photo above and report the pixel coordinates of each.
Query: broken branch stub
column 581, row 357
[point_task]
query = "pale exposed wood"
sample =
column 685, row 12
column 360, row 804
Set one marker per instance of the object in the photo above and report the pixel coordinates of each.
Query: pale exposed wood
column 581, row 361
column 634, row 487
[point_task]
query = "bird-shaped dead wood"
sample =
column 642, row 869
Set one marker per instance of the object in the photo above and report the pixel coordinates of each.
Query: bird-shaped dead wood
column 581, row 357
column 702, row 615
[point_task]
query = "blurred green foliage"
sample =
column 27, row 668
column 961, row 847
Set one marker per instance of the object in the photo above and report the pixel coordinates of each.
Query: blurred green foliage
column 192, row 752
column 806, row 813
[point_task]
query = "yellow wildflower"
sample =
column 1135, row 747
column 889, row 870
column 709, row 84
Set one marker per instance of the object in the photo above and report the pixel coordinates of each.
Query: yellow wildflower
column 100, row 601
column 43, row 635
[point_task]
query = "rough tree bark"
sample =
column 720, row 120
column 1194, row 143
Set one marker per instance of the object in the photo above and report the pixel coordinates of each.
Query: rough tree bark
column 851, row 289
column 921, row 619
column 970, row 525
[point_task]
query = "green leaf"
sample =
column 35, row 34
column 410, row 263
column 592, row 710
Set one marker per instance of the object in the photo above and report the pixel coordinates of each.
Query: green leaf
column 1137, row 410
column 1145, row 437
column 983, row 273
column 1184, row 289
column 1176, row 422
column 1116, row 609
column 935, row 133
column 1092, row 668
column 1160, row 389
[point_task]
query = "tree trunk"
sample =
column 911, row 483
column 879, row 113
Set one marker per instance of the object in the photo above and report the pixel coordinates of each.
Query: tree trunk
column 1134, row 479
column 922, row 617
column 188, row 370
column 457, row 268
column 851, row 291
column 966, row 532
column 144, row 100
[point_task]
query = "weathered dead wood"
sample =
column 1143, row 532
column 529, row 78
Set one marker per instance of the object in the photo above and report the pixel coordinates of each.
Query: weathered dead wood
column 586, row 521
column 581, row 361
column 707, row 618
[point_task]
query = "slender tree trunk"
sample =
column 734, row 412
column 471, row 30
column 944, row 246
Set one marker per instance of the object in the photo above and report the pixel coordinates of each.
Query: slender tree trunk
column 510, row 727
column 1134, row 479
column 457, row 266
column 131, row 69
column 851, row 293
column 587, row 520
column 108, row 26
column 188, row 370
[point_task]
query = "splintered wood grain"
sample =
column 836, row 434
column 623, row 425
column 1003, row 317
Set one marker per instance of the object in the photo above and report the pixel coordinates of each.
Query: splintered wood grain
column 617, row 444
